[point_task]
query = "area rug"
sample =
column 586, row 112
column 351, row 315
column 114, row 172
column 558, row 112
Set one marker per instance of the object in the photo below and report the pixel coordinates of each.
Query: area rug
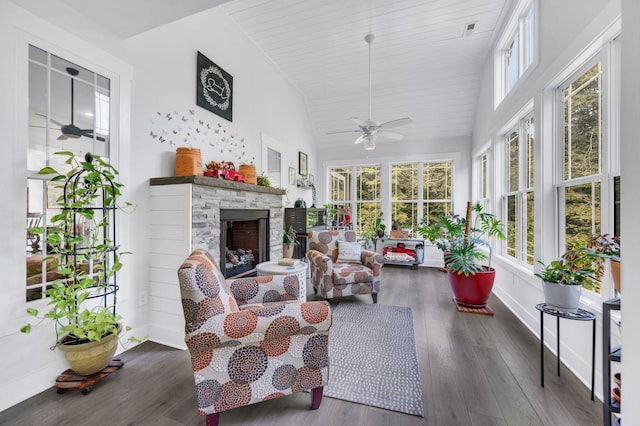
column 486, row 310
column 372, row 358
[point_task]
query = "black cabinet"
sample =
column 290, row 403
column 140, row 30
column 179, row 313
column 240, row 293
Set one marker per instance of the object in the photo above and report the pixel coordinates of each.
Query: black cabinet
column 609, row 354
column 303, row 220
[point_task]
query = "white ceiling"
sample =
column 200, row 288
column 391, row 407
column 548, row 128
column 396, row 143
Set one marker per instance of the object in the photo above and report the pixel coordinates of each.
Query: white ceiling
column 422, row 65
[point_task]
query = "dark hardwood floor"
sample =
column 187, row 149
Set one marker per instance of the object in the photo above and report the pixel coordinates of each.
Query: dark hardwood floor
column 475, row 370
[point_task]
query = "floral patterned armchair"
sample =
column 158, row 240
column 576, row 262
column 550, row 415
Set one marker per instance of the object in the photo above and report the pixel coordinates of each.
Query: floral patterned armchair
column 251, row 339
column 335, row 276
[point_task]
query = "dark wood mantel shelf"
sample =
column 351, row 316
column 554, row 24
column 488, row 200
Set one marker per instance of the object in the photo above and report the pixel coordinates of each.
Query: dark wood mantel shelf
column 215, row 182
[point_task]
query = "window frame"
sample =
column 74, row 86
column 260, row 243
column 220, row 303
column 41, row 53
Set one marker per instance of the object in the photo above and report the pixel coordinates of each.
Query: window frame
column 522, row 24
column 519, row 126
column 605, row 48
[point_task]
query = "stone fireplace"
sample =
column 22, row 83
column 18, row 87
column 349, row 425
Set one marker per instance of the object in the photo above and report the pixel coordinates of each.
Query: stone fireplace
column 244, row 241
column 189, row 212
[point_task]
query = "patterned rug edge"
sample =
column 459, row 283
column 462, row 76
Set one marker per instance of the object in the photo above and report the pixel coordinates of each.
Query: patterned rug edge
column 469, row 310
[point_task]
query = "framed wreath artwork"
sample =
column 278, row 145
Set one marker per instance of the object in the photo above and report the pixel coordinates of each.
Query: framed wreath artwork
column 214, row 88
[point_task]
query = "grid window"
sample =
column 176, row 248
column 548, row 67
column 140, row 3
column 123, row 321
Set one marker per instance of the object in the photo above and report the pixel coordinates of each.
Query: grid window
column 367, row 196
column 519, row 195
column 61, row 93
column 274, row 167
column 404, row 195
column 437, row 192
column 516, row 49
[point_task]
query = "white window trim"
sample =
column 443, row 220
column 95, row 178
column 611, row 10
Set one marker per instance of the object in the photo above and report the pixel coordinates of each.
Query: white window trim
column 514, row 25
column 274, row 144
column 516, row 123
column 606, row 48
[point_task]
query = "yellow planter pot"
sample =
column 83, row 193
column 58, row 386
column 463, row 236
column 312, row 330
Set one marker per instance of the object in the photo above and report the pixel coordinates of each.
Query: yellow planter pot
column 91, row 357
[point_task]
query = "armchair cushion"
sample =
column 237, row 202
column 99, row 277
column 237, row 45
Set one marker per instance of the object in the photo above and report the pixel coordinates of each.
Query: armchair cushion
column 265, row 289
column 257, row 324
column 350, row 273
column 349, row 251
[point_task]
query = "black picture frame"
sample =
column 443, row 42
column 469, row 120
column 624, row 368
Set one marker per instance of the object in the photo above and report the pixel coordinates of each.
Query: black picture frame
column 214, row 88
column 302, row 163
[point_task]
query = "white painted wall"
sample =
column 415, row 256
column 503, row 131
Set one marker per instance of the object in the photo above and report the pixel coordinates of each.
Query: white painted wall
column 30, row 366
column 566, row 28
column 154, row 71
column 630, row 153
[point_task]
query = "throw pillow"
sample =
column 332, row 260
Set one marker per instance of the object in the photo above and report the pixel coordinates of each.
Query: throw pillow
column 349, row 252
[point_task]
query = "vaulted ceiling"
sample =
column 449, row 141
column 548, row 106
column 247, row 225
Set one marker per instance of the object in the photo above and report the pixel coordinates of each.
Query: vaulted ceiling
column 425, row 64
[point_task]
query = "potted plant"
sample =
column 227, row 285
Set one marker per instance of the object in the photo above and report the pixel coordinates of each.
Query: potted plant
column 563, row 279
column 462, row 246
column 289, row 241
column 331, row 214
column 602, row 247
column 380, row 226
column 81, row 239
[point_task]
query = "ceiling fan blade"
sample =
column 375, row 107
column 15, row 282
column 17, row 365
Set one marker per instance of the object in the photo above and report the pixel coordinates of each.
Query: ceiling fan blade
column 344, row 131
column 89, row 134
column 390, row 135
column 359, row 140
column 396, row 123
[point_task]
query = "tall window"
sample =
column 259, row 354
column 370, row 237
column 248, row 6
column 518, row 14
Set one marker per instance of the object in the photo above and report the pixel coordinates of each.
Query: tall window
column 340, row 185
column 69, row 110
column 367, row 196
column 580, row 188
column 404, row 195
column 519, row 194
column 420, row 192
column 274, row 167
column 516, row 48
column 437, row 190
column 366, row 202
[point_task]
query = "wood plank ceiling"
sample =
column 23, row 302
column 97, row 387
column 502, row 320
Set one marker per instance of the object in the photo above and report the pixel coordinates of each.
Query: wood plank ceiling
column 424, row 64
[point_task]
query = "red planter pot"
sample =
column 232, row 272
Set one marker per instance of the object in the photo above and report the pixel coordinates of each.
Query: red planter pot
column 472, row 290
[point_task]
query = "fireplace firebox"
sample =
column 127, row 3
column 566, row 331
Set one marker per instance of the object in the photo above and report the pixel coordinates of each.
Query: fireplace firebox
column 244, row 241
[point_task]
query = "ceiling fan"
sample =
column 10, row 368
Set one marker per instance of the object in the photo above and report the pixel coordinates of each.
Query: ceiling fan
column 71, row 130
column 370, row 128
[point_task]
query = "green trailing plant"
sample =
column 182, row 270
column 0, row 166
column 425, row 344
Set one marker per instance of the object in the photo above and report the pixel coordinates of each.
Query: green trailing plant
column 80, row 242
column 462, row 240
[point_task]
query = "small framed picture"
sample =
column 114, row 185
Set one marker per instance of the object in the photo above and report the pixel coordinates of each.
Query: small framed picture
column 302, row 163
column 310, row 180
column 292, row 176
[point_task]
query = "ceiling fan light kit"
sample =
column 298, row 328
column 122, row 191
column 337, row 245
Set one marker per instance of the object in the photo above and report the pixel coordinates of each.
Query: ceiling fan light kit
column 370, row 128
column 370, row 142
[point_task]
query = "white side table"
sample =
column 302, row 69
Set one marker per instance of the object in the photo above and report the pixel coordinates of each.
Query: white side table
column 299, row 269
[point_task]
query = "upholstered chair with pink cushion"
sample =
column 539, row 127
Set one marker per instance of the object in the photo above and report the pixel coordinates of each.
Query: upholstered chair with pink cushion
column 341, row 267
column 251, row 339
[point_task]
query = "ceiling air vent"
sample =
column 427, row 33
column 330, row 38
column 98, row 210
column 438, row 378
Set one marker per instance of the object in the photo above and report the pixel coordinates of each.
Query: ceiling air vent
column 468, row 29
